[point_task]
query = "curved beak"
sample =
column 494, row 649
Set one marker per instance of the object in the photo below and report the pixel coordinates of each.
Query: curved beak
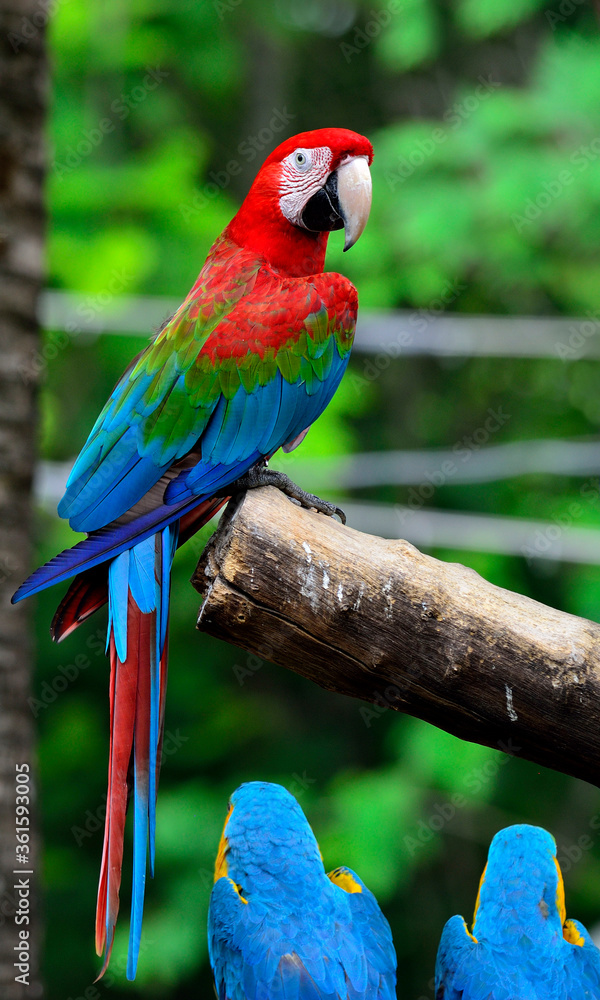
column 343, row 202
column 354, row 196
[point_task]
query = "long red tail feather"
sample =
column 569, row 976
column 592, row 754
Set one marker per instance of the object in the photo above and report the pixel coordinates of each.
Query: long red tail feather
column 123, row 690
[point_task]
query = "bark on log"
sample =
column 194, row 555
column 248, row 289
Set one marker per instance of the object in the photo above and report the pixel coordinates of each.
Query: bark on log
column 380, row 621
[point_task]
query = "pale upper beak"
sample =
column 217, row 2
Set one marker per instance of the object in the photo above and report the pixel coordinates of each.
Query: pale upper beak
column 354, row 190
column 343, row 202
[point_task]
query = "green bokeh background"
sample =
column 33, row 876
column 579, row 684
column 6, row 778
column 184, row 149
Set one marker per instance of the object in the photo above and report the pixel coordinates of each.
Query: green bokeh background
column 162, row 111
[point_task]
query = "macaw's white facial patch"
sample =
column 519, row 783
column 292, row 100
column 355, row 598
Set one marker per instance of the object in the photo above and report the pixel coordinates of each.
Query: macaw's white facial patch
column 303, row 172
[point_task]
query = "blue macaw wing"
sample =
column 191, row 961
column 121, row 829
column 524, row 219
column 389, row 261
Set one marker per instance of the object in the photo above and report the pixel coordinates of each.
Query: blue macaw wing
column 582, row 963
column 371, row 968
column 467, row 970
column 458, row 971
column 252, row 956
column 470, row 970
column 330, row 948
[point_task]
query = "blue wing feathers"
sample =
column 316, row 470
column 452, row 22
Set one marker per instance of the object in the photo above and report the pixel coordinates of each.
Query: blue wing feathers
column 119, row 481
column 242, row 444
column 205, row 480
column 221, row 433
column 466, row 970
column 114, row 470
column 110, row 477
column 346, row 951
column 283, row 414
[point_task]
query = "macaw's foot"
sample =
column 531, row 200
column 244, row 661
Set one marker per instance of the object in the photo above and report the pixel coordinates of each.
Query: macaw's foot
column 259, row 475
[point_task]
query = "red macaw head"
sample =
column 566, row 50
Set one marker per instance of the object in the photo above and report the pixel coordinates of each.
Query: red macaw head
column 311, row 184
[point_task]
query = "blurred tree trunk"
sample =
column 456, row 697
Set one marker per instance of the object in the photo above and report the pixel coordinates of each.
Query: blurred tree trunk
column 23, row 91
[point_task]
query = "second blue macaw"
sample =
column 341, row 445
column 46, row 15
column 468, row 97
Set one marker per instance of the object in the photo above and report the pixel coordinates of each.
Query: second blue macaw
column 279, row 928
column 521, row 946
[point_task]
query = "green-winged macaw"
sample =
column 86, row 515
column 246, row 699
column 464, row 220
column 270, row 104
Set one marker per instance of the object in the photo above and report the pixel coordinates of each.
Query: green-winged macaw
column 279, row 928
column 521, row 945
column 244, row 367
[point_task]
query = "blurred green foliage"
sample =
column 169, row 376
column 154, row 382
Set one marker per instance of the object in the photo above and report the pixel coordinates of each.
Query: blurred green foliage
column 480, row 113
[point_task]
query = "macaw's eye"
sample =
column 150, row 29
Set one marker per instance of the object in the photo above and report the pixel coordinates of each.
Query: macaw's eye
column 301, row 160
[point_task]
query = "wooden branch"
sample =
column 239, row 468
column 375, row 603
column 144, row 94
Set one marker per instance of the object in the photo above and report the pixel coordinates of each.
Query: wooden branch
column 378, row 620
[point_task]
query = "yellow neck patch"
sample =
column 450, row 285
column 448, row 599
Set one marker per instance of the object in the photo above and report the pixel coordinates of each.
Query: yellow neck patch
column 238, row 889
column 572, row 935
column 481, row 881
column 472, row 936
column 560, row 895
column 221, row 862
column 345, row 880
column 570, row 932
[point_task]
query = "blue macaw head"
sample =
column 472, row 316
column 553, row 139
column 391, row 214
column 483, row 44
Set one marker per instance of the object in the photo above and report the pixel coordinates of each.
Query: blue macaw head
column 278, row 926
column 522, row 879
column 521, row 944
column 266, row 841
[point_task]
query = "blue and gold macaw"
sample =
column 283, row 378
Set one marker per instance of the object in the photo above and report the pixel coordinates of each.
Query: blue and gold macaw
column 278, row 926
column 521, row 947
